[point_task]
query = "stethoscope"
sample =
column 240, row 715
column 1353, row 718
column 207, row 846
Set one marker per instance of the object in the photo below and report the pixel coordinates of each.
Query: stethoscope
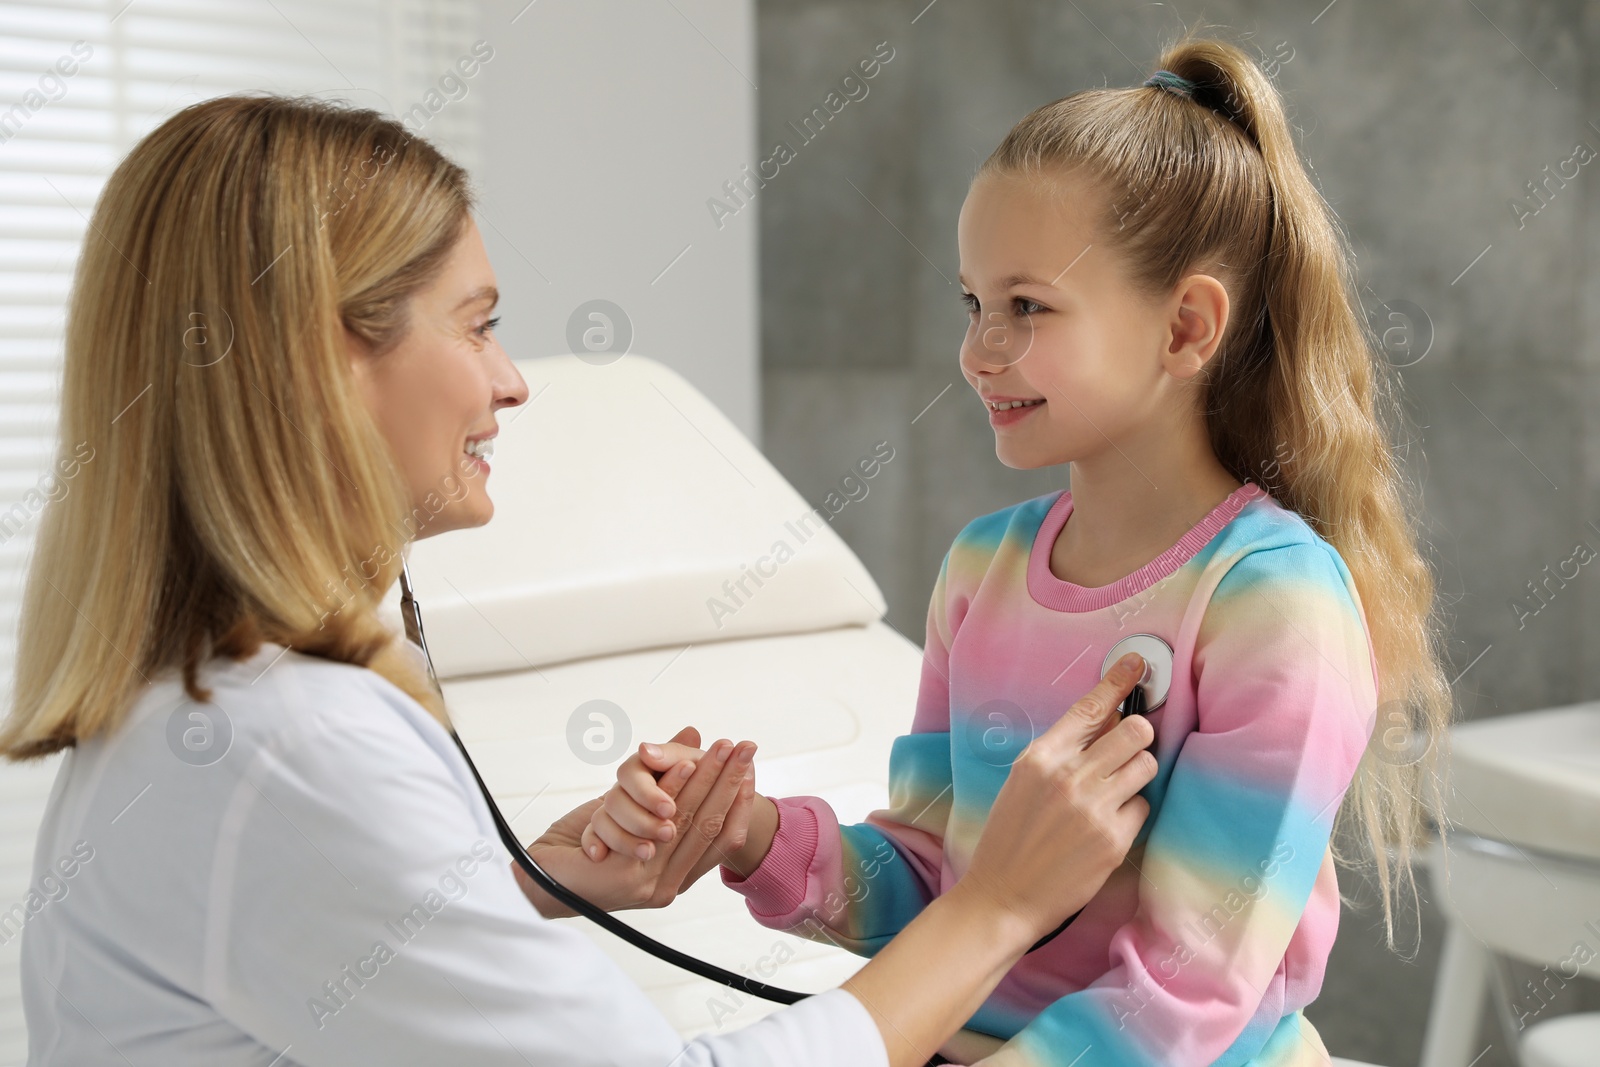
column 412, row 616
column 1149, row 693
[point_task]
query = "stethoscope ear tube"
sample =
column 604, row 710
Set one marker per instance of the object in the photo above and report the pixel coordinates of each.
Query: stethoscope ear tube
column 412, row 616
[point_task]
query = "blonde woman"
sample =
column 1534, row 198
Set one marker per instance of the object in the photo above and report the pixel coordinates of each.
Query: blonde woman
column 279, row 349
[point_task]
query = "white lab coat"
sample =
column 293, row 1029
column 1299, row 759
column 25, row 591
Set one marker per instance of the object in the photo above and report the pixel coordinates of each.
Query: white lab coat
column 308, row 875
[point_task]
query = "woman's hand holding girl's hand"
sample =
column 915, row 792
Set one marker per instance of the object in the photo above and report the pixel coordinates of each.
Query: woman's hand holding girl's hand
column 639, row 807
column 1069, row 809
column 710, row 797
column 656, row 802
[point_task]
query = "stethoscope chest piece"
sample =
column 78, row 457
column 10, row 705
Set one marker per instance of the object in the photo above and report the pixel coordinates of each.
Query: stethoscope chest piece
column 1148, row 694
column 1157, row 678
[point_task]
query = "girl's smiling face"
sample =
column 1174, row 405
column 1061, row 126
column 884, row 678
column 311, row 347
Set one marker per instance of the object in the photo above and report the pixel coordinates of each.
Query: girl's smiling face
column 1052, row 316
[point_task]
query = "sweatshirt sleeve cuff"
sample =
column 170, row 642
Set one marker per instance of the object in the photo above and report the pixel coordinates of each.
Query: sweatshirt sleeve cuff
column 778, row 885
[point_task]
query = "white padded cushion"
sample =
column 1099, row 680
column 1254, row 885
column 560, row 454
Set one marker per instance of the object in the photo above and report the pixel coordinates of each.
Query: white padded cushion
column 1570, row 1041
column 824, row 709
column 624, row 500
column 1531, row 778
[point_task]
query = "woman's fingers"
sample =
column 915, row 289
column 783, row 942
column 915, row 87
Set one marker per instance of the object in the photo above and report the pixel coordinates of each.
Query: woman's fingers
column 660, row 757
column 591, row 844
column 1070, row 734
column 618, row 839
column 633, row 824
column 640, row 772
column 1131, row 816
column 1127, row 820
column 1120, row 744
column 628, row 825
column 639, row 781
column 635, row 819
column 622, row 824
column 1069, row 809
column 632, row 817
column 1134, row 773
column 710, row 793
column 639, row 775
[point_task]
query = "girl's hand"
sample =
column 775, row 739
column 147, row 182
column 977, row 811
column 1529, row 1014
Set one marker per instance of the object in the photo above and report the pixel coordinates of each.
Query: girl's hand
column 642, row 811
column 639, row 806
column 714, row 796
column 639, row 810
column 1068, row 810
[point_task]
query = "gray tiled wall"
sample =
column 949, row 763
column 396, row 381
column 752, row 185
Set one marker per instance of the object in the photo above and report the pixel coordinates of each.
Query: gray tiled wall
column 1422, row 122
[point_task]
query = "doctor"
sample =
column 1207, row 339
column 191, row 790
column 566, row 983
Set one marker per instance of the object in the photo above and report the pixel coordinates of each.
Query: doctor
column 262, row 846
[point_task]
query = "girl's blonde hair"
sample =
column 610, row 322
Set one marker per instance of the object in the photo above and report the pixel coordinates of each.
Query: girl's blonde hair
column 237, row 488
column 1296, row 395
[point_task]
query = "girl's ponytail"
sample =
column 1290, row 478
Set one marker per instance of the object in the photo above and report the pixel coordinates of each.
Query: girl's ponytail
column 1204, row 174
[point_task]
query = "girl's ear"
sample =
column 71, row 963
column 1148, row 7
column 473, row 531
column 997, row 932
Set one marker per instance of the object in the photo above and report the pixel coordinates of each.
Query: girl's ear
column 1199, row 317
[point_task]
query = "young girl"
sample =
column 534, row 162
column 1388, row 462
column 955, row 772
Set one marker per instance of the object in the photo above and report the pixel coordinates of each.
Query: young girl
column 1159, row 297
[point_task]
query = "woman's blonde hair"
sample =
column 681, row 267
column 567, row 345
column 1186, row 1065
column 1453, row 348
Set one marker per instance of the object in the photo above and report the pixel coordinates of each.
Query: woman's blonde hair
column 1296, row 396
column 238, row 490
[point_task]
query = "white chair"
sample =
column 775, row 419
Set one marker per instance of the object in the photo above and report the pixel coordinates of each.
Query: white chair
column 625, row 501
column 1519, row 879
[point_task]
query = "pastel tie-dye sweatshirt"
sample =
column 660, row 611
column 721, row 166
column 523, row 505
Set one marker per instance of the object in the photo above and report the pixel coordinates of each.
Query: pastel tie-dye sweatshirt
column 1204, row 946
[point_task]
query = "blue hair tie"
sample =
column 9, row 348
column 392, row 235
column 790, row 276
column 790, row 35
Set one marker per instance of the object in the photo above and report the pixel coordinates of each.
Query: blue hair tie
column 1168, row 80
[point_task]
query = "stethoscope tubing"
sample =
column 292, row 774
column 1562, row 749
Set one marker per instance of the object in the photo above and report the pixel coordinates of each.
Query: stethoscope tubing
column 412, row 615
column 595, row 914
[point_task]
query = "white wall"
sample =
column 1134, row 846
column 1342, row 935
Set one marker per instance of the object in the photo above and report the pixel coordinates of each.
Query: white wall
column 608, row 125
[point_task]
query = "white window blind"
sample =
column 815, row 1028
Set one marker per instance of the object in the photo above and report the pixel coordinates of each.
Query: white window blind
column 80, row 82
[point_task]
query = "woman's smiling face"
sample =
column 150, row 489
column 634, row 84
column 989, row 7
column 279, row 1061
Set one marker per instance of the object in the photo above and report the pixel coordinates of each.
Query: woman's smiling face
column 1053, row 318
column 435, row 394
